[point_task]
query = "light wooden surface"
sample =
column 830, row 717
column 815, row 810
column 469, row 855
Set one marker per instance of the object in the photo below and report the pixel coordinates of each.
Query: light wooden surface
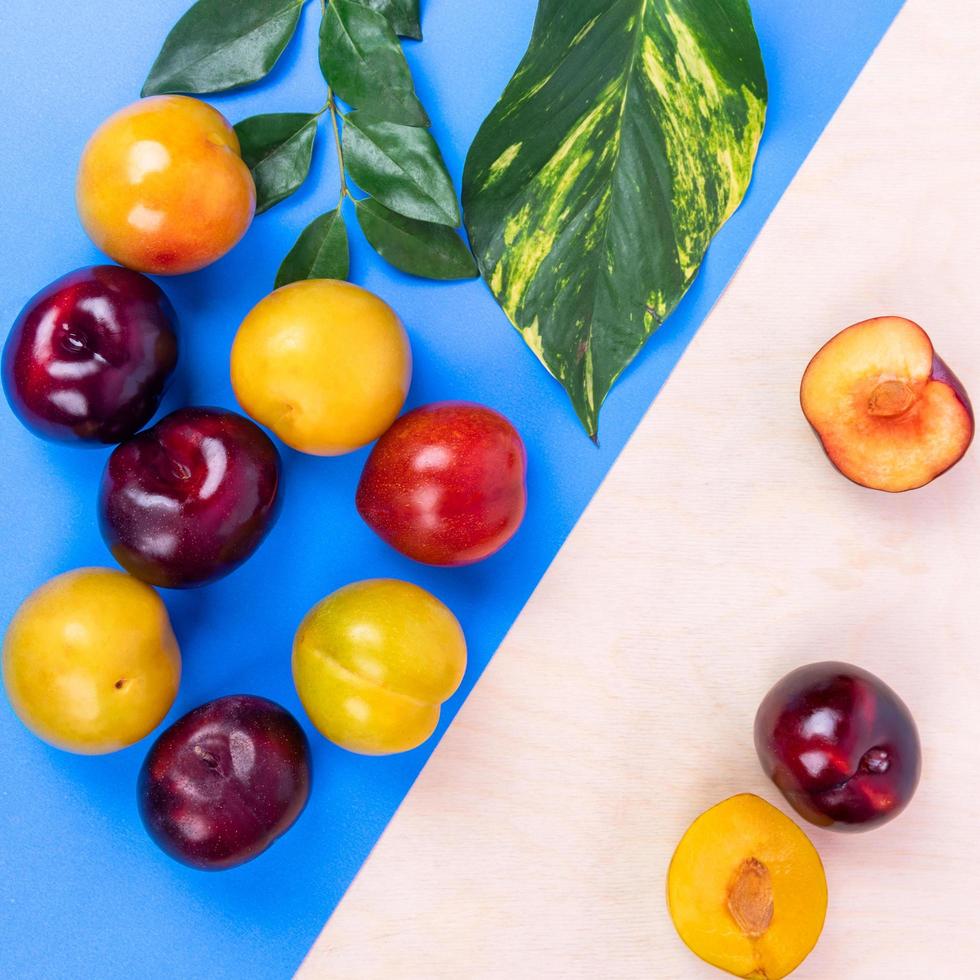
column 722, row 551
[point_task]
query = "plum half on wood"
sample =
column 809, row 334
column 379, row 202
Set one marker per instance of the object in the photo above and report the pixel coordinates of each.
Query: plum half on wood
column 888, row 411
column 746, row 889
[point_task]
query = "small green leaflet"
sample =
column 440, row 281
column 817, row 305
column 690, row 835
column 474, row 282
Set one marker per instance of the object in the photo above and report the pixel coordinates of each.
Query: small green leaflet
column 622, row 144
column 222, row 44
column 387, row 150
column 412, row 208
column 401, row 167
column 321, row 252
column 403, row 15
column 364, row 64
column 277, row 148
column 417, row 247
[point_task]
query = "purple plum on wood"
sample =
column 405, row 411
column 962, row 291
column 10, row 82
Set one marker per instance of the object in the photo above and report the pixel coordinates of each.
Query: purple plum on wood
column 840, row 744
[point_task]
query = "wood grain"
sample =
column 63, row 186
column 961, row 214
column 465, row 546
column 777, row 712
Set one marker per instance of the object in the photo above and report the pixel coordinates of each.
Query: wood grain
column 722, row 551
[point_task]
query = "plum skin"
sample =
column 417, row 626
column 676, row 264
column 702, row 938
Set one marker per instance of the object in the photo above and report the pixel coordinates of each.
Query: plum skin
column 225, row 781
column 90, row 356
column 446, row 485
column 840, row 745
column 942, row 372
column 186, row 501
column 162, row 187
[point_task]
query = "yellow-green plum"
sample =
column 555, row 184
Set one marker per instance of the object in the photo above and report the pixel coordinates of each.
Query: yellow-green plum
column 373, row 663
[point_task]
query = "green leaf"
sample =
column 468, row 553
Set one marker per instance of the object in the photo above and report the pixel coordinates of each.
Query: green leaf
column 277, row 148
column 221, row 44
column 364, row 64
column 321, row 252
column 403, row 15
column 417, row 247
column 622, row 144
column 400, row 166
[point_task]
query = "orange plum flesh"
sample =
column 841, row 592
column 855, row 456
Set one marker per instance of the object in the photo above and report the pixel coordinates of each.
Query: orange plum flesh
column 890, row 414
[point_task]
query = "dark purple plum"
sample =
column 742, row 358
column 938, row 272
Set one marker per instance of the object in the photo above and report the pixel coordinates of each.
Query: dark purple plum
column 841, row 746
column 188, row 500
column 90, row 356
column 225, row 781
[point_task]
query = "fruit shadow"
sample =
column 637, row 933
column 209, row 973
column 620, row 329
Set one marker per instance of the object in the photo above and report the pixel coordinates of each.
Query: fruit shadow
column 179, row 393
column 929, row 510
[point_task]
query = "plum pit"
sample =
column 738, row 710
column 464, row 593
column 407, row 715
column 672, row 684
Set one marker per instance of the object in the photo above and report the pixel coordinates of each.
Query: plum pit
column 750, row 899
column 891, row 399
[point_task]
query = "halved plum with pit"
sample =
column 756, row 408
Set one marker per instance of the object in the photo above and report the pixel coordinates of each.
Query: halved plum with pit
column 746, row 889
column 889, row 412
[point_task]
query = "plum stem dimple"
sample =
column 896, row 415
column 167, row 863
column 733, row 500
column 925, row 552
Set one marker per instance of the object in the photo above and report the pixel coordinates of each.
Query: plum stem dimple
column 206, row 757
column 891, row 398
column 750, row 900
column 876, row 761
column 74, row 341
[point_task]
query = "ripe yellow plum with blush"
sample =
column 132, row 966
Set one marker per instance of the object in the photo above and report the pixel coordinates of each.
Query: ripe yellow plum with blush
column 162, row 187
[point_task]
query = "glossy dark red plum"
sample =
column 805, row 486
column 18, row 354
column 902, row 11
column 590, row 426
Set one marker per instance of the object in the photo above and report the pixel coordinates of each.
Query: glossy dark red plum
column 186, row 501
column 225, row 781
column 840, row 745
column 445, row 485
column 90, row 356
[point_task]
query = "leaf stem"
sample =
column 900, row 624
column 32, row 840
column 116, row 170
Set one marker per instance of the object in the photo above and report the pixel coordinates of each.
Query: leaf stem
column 334, row 113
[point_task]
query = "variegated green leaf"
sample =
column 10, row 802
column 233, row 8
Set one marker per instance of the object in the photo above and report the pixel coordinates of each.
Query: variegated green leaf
column 622, row 144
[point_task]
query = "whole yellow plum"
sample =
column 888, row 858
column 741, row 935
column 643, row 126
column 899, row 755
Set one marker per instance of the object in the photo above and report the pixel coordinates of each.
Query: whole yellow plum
column 373, row 663
column 90, row 662
column 162, row 187
column 326, row 365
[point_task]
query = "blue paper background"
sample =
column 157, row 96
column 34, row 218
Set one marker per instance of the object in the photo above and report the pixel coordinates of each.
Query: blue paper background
column 83, row 893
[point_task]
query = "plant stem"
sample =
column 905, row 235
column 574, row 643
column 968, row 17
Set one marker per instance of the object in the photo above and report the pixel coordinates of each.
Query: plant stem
column 334, row 113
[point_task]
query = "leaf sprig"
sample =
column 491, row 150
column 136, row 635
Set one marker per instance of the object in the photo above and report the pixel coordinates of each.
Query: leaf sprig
column 410, row 211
